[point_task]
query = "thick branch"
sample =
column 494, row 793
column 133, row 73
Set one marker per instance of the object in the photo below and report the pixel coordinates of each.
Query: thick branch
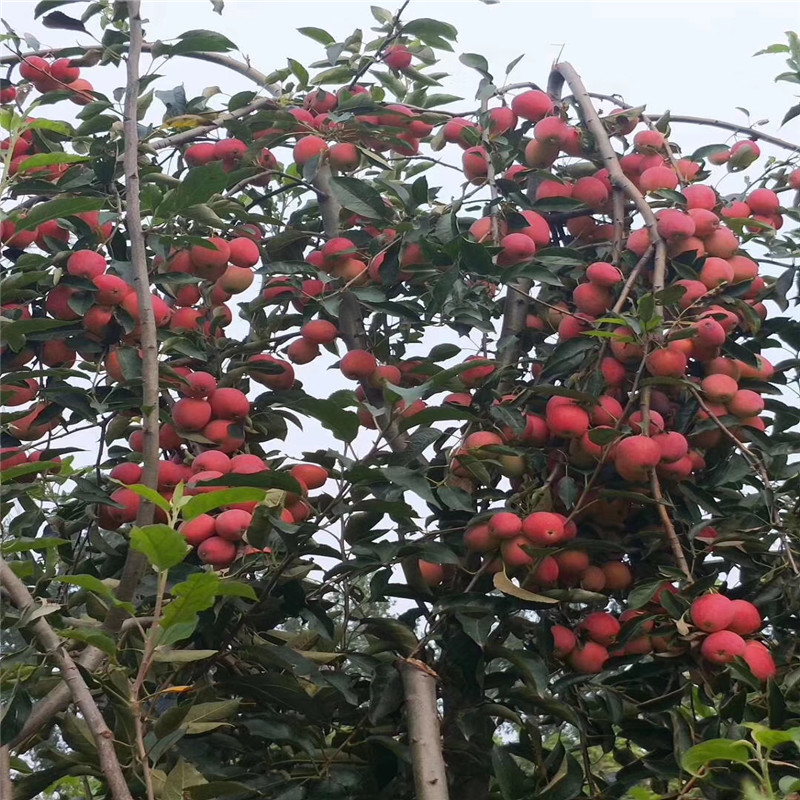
column 424, row 735
column 616, row 175
column 136, row 562
column 52, row 644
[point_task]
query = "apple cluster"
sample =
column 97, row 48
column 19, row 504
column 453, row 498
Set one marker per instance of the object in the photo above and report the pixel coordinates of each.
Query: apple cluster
column 628, row 435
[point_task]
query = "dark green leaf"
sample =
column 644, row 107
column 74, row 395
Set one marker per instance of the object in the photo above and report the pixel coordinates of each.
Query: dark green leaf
column 58, row 209
column 200, row 41
column 317, row 34
column 359, row 197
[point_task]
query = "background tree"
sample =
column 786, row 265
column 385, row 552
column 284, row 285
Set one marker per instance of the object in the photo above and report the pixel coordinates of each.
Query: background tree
column 548, row 544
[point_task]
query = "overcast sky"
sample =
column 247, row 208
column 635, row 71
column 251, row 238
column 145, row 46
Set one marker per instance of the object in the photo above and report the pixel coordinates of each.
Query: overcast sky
column 691, row 57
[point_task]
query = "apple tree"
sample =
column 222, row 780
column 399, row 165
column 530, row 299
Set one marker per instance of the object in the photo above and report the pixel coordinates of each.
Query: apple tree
column 356, row 446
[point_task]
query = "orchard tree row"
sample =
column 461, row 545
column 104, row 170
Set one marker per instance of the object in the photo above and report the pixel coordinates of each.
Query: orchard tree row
column 356, row 446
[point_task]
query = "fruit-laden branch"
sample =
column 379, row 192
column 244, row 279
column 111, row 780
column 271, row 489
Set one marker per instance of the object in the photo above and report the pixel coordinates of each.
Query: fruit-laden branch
column 424, row 736
column 620, row 181
column 709, row 122
column 91, row 56
column 351, row 318
column 79, row 691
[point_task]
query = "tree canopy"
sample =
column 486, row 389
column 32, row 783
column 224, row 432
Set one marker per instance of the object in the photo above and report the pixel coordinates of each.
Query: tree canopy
column 357, row 446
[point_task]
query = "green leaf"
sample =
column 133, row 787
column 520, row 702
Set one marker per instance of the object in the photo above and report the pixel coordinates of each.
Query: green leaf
column 708, row 150
column 338, row 74
column 359, row 197
column 476, row 61
column 212, row 712
column 195, row 594
column 88, row 582
column 432, row 32
column 57, row 19
column 166, row 655
column 150, row 494
column 272, row 479
column 181, row 777
column 412, row 480
column 202, row 503
column 299, row 71
column 772, row 49
column 343, row 424
column 12, row 473
column 163, row 546
column 102, row 641
column 317, row 34
column 793, row 112
column 509, row 776
column 58, row 209
column 44, row 6
column 381, row 14
column 198, row 185
column 24, row 544
column 237, row 589
column 46, row 159
column 218, row 790
column 769, row 738
column 201, row 41
column 701, row 755
column 391, row 632
column 430, row 27
column 503, row 584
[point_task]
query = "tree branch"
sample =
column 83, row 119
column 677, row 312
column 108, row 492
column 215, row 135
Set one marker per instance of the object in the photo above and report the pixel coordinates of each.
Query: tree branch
column 136, row 562
column 6, row 785
column 177, row 139
column 617, row 176
column 78, row 689
column 708, row 121
column 669, row 528
column 419, row 688
column 90, row 54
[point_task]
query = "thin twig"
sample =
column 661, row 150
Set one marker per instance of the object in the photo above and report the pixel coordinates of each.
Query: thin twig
column 669, row 528
column 394, row 32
